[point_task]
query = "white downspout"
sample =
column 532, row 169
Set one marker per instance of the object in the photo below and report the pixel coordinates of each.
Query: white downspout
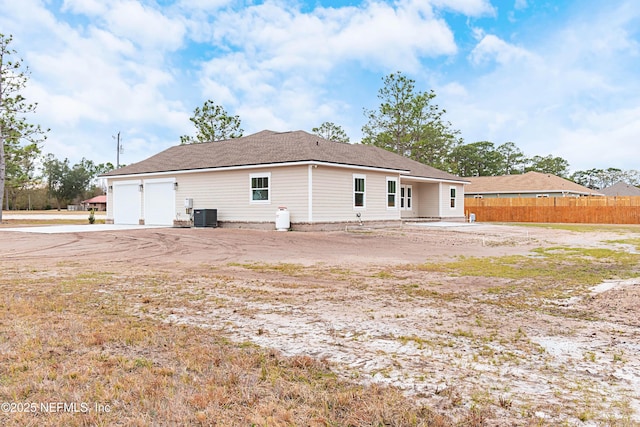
column 440, row 201
column 310, row 192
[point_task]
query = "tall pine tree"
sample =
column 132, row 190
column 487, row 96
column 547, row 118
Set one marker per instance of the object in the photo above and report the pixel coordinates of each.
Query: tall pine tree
column 14, row 127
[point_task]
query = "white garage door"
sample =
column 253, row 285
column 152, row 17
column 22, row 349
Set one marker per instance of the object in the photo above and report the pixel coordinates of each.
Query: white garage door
column 159, row 202
column 126, row 203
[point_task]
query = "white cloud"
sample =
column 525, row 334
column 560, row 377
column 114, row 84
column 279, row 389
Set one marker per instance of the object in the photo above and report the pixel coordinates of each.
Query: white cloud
column 467, row 7
column 144, row 26
column 492, row 48
column 109, row 44
column 203, row 5
column 107, row 86
column 41, row 23
column 602, row 139
column 265, row 116
column 520, row 5
column 236, row 74
column 377, row 35
column 392, row 38
column 454, row 89
column 86, row 7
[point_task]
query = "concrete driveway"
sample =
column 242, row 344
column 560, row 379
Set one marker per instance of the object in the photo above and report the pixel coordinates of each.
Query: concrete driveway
column 44, row 215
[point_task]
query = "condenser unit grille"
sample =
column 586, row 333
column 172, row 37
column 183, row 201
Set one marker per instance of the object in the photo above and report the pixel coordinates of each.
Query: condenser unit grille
column 205, row 217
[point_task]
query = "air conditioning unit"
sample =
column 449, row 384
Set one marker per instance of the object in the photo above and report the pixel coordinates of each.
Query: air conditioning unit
column 205, row 217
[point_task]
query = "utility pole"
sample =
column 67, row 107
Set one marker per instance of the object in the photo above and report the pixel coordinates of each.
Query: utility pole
column 118, row 150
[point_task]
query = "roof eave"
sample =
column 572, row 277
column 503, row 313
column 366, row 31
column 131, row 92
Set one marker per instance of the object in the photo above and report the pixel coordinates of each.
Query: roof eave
column 432, row 179
column 258, row 166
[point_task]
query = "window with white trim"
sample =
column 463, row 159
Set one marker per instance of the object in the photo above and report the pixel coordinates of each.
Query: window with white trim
column 406, row 197
column 260, row 187
column 359, row 191
column 452, row 194
column 392, row 193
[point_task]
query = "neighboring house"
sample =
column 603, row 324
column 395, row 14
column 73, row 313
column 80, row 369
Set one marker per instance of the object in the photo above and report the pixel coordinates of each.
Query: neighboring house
column 323, row 184
column 530, row 184
column 621, row 189
column 98, row 203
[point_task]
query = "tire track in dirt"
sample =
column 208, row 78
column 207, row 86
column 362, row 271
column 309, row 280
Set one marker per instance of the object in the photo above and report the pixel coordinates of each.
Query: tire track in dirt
column 36, row 252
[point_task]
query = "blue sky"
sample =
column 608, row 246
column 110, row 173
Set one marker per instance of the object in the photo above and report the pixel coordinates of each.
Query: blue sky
column 554, row 77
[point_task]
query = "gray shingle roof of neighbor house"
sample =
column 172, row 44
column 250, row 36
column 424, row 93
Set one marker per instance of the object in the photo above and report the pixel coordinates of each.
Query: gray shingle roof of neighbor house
column 269, row 147
column 621, row 189
column 530, row 182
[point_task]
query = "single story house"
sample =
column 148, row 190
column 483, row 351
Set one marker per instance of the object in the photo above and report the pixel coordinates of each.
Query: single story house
column 323, row 184
column 530, row 184
column 621, row 189
column 99, row 203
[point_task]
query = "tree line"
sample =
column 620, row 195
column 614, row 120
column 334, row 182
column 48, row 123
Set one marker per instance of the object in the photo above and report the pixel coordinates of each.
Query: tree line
column 37, row 181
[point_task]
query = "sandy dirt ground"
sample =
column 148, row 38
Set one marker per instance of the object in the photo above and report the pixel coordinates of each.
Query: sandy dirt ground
column 361, row 301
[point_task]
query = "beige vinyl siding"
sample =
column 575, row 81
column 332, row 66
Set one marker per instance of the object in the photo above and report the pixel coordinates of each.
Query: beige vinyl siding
column 447, row 211
column 230, row 193
column 376, row 195
column 427, row 199
column 333, row 195
column 409, row 214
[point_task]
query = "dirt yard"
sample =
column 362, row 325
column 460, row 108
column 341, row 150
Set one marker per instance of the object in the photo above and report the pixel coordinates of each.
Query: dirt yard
column 527, row 325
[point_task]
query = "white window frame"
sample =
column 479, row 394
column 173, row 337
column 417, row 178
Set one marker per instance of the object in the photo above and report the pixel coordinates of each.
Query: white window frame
column 267, row 188
column 406, row 197
column 453, row 199
column 542, row 196
column 394, row 194
column 364, row 192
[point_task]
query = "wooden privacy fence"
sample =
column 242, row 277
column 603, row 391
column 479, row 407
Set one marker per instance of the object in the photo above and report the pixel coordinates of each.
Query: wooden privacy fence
column 594, row 210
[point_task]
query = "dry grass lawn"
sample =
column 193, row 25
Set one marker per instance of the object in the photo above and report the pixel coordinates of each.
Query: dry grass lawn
column 489, row 326
column 64, row 339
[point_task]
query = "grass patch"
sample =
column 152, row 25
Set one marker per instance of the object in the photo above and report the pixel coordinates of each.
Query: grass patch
column 633, row 242
column 583, row 228
column 289, row 269
column 548, row 274
column 570, row 266
column 417, row 291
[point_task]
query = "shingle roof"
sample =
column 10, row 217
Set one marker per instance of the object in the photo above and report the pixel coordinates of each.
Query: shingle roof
column 621, row 189
column 96, row 199
column 268, row 147
column 530, row 182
